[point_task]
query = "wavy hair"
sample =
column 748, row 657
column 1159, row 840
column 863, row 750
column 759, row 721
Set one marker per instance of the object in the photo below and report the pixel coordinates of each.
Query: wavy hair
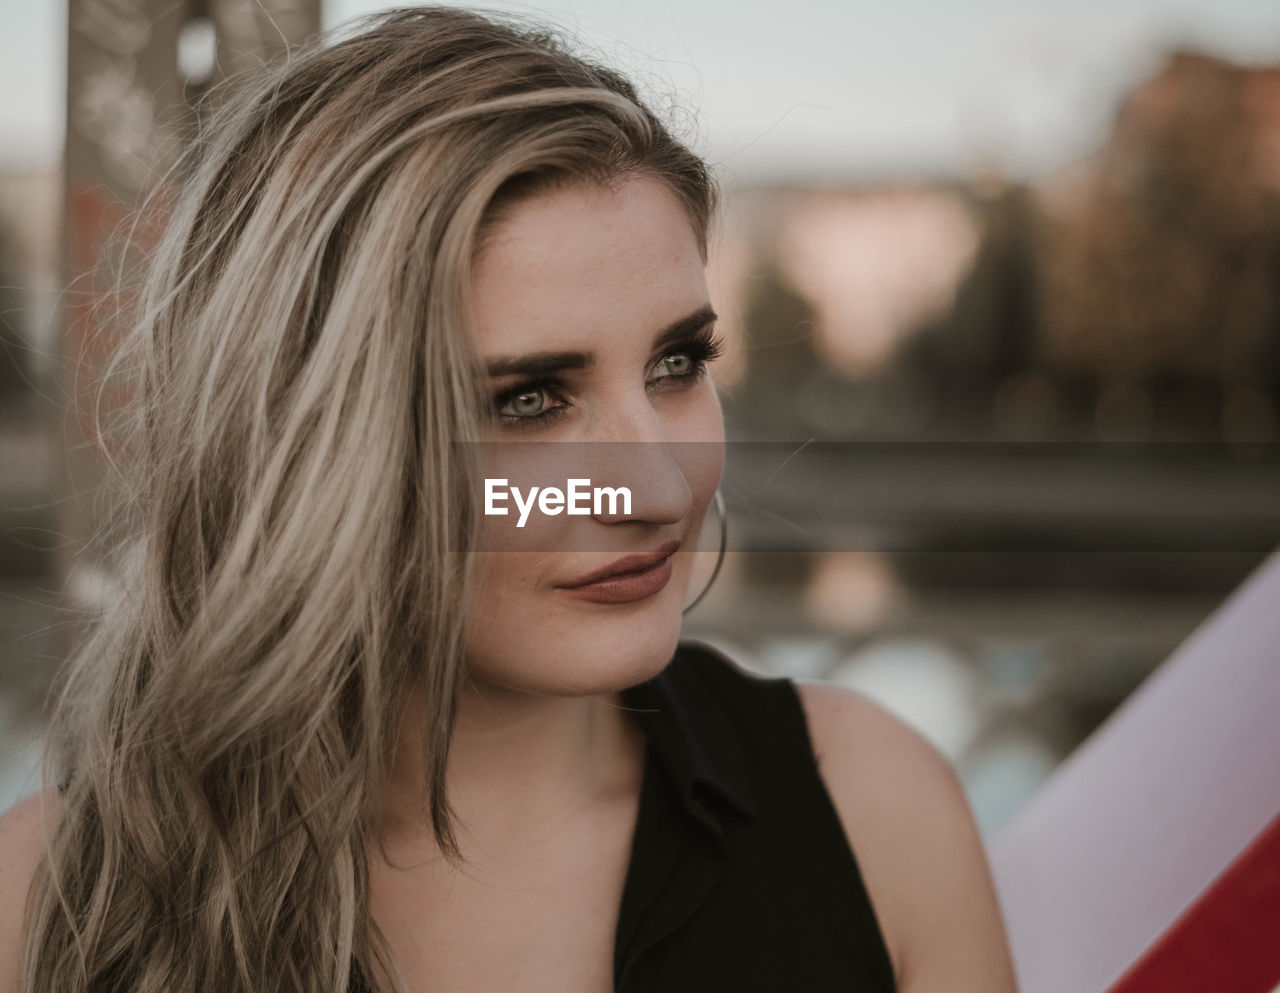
column 302, row 367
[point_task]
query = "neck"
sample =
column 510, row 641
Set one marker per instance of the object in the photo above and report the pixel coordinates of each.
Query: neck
column 520, row 764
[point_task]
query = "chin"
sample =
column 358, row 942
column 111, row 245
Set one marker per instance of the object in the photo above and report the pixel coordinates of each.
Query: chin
column 585, row 648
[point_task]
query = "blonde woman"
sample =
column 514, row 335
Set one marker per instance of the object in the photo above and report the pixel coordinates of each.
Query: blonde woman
column 343, row 731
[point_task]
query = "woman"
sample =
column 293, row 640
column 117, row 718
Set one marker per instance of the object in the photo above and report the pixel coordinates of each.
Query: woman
column 342, row 727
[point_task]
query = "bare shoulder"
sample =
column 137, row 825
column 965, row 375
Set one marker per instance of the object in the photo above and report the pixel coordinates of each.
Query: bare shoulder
column 908, row 821
column 22, row 839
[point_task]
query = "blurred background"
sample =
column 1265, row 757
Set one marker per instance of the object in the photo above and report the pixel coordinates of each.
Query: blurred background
column 1001, row 285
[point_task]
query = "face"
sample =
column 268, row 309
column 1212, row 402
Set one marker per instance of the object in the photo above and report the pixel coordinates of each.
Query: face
column 591, row 314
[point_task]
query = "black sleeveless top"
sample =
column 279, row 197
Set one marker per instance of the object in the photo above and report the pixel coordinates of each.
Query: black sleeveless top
column 741, row 878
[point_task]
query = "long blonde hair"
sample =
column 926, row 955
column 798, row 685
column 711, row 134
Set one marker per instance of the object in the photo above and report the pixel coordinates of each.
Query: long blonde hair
column 300, row 517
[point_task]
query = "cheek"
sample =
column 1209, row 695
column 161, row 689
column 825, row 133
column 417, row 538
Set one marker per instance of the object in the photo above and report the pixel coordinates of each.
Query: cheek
column 703, row 420
column 521, row 638
column 699, row 445
column 505, row 603
column 505, row 577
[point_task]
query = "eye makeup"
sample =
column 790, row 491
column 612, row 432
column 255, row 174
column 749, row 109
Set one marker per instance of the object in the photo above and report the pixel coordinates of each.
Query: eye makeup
column 699, row 346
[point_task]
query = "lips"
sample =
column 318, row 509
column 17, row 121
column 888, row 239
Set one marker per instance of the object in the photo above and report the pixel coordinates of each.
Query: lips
column 624, row 566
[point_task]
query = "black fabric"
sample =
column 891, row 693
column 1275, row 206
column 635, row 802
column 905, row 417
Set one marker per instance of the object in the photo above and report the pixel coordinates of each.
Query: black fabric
column 741, row 878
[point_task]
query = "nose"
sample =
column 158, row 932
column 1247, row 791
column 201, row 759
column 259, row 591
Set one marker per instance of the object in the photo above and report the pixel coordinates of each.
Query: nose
column 634, row 452
column 660, row 494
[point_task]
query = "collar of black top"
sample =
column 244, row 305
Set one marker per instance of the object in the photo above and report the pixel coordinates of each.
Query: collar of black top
column 691, row 735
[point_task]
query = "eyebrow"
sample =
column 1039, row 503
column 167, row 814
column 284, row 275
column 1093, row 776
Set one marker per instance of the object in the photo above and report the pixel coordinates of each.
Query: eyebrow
column 544, row 363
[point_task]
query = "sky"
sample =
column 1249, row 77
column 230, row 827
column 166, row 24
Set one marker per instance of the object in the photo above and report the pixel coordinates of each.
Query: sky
column 809, row 88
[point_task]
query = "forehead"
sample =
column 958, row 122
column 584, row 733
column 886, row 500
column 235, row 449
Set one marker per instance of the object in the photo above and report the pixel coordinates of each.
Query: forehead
column 574, row 262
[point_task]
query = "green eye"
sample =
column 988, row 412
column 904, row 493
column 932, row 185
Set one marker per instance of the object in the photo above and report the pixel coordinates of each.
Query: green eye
column 529, row 403
column 676, row 364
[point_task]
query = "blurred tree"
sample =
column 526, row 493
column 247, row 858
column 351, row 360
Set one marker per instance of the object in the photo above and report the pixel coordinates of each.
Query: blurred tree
column 780, row 353
column 991, row 332
column 1167, row 272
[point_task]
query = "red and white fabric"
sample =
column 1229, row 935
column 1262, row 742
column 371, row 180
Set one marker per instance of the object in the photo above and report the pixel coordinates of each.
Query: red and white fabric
column 1150, row 861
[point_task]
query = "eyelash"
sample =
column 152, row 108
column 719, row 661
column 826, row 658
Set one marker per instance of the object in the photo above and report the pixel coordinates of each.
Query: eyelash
column 703, row 348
